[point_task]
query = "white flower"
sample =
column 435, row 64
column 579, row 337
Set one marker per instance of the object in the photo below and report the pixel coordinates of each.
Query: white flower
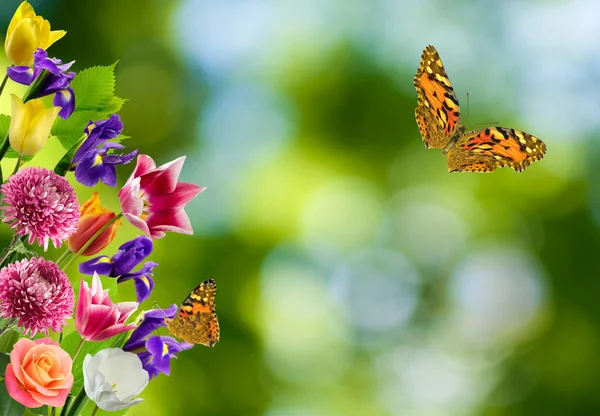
column 113, row 377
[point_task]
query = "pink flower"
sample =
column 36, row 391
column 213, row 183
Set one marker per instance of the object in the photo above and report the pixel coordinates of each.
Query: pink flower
column 42, row 204
column 153, row 201
column 39, row 373
column 96, row 317
column 36, row 292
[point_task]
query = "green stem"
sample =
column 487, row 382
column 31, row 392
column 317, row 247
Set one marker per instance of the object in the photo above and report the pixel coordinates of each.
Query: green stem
column 94, row 411
column 63, row 411
column 63, row 257
column 77, row 404
column 3, row 84
column 32, row 92
column 91, row 240
column 78, row 349
column 8, row 248
column 18, row 165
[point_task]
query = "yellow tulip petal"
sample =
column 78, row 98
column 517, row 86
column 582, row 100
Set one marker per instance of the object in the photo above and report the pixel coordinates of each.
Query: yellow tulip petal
column 54, row 36
column 39, row 131
column 24, row 11
column 19, row 124
column 23, row 43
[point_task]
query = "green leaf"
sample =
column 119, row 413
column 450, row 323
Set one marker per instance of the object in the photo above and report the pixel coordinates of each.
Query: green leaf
column 4, row 360
column 4, row 124
column 69, row 131
column 9, row 407
column 94, row 88
column 115, row 104
column 70, row 344
column 8, row 340
column 43, row 410
column 63, row 166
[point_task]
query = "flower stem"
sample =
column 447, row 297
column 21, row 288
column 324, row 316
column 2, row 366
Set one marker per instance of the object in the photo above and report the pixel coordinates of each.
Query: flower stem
column 18, row 165
column 3, row 83
column 63, row 257
column 78, row 349
column 8, row 248
column 94, row 411
column 91, row 240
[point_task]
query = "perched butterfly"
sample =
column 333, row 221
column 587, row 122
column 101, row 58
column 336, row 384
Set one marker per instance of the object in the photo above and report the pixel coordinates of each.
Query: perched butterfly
column 438, row 118
column 196, row 322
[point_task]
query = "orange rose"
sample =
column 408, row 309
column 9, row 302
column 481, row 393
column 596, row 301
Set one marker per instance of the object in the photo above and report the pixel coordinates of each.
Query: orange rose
column 39, row 373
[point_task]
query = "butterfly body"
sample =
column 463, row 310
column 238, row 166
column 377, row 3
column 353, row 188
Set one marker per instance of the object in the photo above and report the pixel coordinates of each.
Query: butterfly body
column 196, row 322
column 438, row 119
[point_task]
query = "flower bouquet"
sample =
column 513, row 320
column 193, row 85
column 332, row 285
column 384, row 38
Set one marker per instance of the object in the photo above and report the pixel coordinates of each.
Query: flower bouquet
column 114, row 351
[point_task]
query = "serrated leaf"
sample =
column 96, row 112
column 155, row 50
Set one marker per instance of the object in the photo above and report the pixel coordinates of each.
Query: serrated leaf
column 94, row 88
column 8, row 340
column 9, row 407
column 69, row 131
column 115, row 104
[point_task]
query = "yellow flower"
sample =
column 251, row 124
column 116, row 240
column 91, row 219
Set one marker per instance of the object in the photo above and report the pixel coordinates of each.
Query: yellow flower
column 30, row 125
column 27, row 32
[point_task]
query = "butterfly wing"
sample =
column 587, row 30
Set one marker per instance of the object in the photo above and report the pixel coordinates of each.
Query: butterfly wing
column 487, row 149
column 437, row 112
column 196, row 322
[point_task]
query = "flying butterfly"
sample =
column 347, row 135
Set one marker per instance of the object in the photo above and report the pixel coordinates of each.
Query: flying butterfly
column 196, row 322
column 438, row 118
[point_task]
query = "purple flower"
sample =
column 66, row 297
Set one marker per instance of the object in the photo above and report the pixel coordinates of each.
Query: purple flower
column 92, row 161
column 58, row 82
column 155, row 351
column 159, row 351
column 129, row 256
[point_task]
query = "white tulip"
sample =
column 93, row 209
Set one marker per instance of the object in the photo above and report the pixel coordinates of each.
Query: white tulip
column 113, row 378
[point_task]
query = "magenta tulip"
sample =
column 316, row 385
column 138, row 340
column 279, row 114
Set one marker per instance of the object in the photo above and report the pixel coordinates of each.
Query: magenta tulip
column 153, row 201
column 96, row 317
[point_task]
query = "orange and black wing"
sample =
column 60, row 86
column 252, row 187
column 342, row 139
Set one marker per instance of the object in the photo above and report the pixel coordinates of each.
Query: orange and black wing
column 497, row 147
column 437, row 112
column 197, row 319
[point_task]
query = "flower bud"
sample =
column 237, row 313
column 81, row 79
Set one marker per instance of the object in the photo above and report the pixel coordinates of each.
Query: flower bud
column 26, row 33
column 30, row 125
column 93, row 218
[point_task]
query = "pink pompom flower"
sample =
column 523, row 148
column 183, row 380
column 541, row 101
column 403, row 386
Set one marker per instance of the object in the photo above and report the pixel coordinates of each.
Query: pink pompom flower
column 41, row 204
column 37, row 293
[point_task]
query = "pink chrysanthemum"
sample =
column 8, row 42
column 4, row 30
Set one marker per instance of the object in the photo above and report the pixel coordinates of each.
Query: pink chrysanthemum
column 36, row 292
column 42, row 204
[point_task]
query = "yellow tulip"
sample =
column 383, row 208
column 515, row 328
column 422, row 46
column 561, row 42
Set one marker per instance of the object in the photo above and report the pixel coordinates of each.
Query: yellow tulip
column 30, row 125
column 26, row 33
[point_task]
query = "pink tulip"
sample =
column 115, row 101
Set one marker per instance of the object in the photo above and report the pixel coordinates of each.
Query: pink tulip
column 153, row 201
column 96, row 317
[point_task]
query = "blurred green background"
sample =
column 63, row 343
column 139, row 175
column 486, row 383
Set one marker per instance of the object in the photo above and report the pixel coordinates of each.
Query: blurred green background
column 355, row 275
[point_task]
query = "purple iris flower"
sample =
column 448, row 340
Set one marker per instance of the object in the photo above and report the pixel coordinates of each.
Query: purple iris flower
column 129, row 256
column 159, row 351
column 58, row 83
column 155, row 351
column 92, row 161
column 153, row 319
